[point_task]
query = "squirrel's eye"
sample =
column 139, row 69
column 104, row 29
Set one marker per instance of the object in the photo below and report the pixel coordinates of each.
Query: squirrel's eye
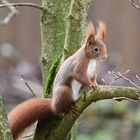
column 96, row 49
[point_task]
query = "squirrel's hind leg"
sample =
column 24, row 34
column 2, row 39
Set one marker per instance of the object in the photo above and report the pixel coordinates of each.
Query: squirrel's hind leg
column 61, row 99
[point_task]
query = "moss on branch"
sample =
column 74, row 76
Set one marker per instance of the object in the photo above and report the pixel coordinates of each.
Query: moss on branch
column 51, row 76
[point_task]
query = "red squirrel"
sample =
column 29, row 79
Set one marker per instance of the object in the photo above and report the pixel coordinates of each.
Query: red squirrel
column 75, row 73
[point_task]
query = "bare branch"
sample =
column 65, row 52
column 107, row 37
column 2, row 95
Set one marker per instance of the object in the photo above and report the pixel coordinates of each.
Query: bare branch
column 135, row 5
column 138, row 77
column 22, row 4
column 104, row 81
column 13, row 12
column 118, row 75
column 28, row 86
column 124, row 98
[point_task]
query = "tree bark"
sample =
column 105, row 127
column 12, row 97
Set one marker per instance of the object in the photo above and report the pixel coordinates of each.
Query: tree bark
column 75, row 26
column 5, row 133
column 53, row 28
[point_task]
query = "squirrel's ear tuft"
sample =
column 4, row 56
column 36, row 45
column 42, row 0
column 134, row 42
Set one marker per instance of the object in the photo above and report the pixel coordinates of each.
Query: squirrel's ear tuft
column 101, row 31
column 90, row 32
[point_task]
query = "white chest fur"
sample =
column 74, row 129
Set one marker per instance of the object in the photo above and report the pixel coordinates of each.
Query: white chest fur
column 75, row 89
column 76, row 85
column 91, row 68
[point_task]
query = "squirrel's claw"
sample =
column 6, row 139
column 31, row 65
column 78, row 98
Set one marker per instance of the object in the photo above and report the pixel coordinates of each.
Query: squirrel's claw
column 94, row 85
column 74, row 111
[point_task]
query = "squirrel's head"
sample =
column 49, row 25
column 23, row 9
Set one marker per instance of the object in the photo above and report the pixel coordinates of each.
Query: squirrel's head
column 94, row 46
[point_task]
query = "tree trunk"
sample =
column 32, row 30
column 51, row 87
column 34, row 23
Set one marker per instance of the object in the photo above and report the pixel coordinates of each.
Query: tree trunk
column 5, row 133
column 62, row 25
column 53, row 28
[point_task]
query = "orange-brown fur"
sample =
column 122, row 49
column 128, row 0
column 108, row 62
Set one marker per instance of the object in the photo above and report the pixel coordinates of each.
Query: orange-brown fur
column 73, row 68
column 27, row 113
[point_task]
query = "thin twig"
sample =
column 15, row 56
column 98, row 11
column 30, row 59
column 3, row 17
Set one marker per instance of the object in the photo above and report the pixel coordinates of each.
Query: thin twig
column 22, row 4
column 132, row 83
column 125, row 98
column 13, row 12
column 10, row 7
column 22, row 79
column 119, row 75
column 104, row 81
column 7, row 19
column 134, row 4
column 138, row 77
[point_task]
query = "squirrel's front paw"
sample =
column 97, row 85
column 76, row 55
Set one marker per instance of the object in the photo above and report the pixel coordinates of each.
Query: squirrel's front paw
column 94, row 85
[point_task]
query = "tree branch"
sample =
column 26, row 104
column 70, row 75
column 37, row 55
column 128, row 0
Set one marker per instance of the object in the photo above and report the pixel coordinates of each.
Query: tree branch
column 104, row 92
column 134, row 4
column 118, row 75
column 22, row 4
column 13, row 12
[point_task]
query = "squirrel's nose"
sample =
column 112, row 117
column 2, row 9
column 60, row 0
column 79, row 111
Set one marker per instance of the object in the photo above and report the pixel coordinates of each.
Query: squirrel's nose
column 105, row 57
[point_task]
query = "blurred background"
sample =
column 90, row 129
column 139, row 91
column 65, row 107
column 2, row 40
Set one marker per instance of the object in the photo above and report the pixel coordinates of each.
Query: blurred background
column 20, row 49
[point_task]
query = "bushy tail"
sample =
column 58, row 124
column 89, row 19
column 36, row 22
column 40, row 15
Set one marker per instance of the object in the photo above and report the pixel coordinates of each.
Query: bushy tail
column 27, row 113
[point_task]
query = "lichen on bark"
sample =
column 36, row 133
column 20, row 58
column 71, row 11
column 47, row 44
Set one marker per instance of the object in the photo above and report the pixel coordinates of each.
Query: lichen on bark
column 75, row 26
column 53, row 24
column 5, row 133
column 51, row 76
